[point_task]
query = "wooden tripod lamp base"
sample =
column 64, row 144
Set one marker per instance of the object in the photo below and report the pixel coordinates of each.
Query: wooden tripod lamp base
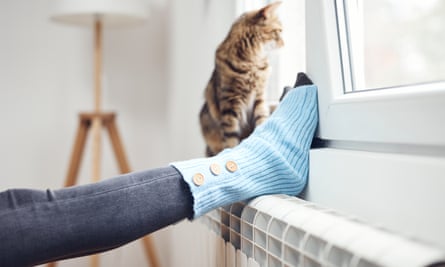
column 96, row 121
column 96, row 14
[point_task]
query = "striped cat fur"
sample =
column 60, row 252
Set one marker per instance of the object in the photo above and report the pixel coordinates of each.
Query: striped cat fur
column 234, row 96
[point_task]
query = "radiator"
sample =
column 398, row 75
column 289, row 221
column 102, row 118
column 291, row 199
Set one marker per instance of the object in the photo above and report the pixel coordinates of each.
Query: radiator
column 286, row 231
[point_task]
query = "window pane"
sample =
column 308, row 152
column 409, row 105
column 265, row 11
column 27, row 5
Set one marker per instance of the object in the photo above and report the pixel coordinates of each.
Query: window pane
column 394, row 42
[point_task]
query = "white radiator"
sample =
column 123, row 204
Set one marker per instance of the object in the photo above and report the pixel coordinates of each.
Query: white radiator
column 286, row 231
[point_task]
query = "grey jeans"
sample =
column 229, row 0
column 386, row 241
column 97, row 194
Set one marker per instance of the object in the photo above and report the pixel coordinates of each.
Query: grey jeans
column 42, row 226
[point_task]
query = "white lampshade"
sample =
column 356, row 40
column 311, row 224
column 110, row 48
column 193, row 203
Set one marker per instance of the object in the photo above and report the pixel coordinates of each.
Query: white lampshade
column 109, row 12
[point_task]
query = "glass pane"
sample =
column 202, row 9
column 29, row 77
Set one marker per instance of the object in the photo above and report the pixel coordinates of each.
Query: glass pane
column 395, row 42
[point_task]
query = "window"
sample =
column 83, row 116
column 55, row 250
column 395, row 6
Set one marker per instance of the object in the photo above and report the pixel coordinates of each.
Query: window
column 385, row 155
column 394, row 43
column 411, row 116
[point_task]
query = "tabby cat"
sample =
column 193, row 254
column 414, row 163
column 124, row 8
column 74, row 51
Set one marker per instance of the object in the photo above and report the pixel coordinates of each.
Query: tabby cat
column 234, row 96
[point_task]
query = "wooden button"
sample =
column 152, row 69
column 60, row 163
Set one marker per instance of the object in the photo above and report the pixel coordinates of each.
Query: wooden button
column 231, row 166
column 198, row 179
column 215, row 169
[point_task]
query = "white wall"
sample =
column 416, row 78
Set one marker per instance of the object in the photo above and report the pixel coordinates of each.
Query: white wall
column 197, row 27
column 154, row 77
column 46, row 79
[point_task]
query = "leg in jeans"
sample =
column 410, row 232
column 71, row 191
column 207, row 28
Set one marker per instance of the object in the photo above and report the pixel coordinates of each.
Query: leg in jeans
column 41, row 226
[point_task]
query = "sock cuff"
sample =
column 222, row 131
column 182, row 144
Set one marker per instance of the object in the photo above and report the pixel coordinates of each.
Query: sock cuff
column 233, row 175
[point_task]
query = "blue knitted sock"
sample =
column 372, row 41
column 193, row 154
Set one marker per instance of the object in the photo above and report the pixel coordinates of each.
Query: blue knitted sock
column 274, row 159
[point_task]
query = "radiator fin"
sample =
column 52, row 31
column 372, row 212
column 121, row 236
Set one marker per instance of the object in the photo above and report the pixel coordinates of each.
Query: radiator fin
column 282, row 231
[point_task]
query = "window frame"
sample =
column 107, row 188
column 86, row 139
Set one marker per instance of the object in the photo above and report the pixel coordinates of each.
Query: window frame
column 409, row 115
column 383, row 155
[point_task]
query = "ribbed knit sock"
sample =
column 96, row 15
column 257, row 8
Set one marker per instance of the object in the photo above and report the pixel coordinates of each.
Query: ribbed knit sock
column 274, row 159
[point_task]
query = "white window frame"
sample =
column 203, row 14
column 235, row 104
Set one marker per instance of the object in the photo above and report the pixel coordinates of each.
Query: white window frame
column 409, row 115
column 383, row 158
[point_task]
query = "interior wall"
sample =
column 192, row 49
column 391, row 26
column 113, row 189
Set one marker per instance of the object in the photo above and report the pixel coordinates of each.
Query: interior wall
column 196, row 29
column 154, row 77
column 46, row 80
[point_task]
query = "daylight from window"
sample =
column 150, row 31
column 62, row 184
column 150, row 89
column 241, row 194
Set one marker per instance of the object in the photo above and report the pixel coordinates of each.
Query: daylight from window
column 287, row 61
column 395, row 43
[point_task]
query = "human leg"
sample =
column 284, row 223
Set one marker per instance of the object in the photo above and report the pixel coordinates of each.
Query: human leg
column 40, row 226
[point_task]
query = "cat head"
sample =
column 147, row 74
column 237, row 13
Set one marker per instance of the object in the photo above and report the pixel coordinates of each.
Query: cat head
column 264, row 24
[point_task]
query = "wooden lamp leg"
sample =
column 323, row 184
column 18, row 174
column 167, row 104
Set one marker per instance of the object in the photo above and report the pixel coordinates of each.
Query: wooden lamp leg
column 150, row 252
column 96, row 167
column 76, row 155
column 96, row 121
column 118, row 148
column 125, row 168
column 96, row 149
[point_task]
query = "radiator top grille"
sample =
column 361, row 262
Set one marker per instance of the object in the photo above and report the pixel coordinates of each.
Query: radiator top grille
column 279, row 231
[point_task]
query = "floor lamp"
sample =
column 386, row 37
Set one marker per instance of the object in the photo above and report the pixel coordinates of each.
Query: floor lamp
column 98, row 14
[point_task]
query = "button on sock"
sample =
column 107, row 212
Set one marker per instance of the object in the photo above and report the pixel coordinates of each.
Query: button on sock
column 274, row 159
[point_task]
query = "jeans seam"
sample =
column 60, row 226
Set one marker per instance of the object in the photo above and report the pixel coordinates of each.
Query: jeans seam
column 89, row 196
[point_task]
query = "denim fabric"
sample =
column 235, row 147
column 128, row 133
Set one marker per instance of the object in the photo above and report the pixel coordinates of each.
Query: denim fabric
column 41, row 226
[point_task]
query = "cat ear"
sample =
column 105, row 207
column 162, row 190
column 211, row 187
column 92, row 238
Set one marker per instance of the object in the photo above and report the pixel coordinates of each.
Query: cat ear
column 268, row 10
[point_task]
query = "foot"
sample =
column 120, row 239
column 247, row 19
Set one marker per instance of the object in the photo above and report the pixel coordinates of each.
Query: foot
column 274, row 159
column 302, row 79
